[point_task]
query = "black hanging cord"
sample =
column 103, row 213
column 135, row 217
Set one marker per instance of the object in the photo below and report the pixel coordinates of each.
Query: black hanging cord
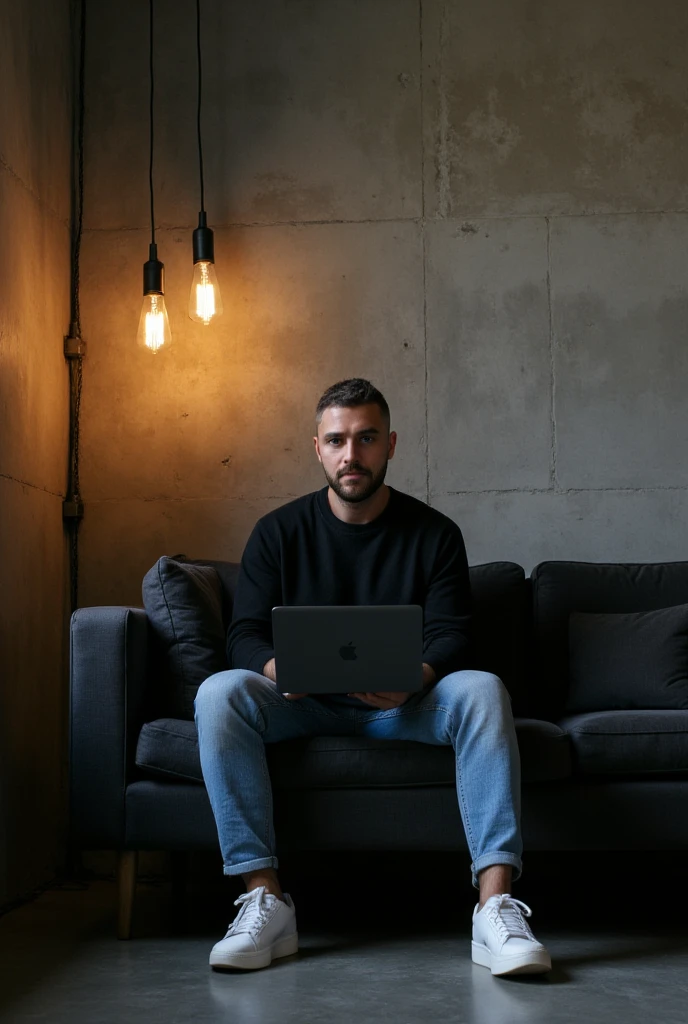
column 203, row 245
column 152, row 87
column 200, row 91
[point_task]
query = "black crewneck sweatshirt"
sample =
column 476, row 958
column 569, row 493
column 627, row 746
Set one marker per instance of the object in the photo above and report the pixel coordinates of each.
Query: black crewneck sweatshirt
column 303, row 554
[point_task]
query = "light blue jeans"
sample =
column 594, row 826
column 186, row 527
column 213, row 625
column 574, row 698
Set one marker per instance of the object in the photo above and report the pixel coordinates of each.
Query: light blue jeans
column 238, row 712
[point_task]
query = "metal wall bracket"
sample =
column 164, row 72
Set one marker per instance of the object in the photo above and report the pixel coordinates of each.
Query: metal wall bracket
column 72, row 510
column 74, row 348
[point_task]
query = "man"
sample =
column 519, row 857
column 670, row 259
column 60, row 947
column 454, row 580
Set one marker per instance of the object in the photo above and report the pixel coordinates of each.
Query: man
column 358, row 541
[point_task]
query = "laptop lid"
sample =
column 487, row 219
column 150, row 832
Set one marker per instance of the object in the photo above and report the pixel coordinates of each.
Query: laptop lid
column 348, row 648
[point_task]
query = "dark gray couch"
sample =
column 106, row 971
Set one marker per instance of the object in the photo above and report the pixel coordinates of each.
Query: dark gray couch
column 614, row 780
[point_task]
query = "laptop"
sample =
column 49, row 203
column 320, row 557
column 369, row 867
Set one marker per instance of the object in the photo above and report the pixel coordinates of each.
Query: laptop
column 348, row 648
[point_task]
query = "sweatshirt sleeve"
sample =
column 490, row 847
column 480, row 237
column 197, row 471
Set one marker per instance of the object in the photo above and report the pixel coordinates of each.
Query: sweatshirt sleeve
column 447, row 610
column 259, row 589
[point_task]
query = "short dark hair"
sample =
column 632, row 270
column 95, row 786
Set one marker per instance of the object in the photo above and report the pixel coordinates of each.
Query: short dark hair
column 347, row 394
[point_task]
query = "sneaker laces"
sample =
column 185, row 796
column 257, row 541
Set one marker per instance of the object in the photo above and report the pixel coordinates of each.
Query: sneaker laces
column 507, row 915
column 253, row 914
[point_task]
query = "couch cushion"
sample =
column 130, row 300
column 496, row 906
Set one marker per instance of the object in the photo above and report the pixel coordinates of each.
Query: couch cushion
column 228, row 573
column 545, row 750
column 500, row 626
column 560, row 588
column 628, row 661
column 629, row 742
column 183, row 602
column 168, row 748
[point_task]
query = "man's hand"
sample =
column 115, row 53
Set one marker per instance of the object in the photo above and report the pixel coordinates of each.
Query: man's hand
column 394, row 699
column 271, row 673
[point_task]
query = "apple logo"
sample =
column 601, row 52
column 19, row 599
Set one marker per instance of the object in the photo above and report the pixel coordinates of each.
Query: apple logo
column 348, row 652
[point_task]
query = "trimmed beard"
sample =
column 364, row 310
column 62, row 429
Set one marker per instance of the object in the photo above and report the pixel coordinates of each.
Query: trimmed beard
column 375, row 482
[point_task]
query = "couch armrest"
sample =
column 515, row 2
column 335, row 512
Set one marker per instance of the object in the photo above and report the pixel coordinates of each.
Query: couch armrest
column 108, row 672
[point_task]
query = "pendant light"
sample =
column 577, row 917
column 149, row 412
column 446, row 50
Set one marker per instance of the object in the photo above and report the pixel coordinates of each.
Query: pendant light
column 154, row 325
column 205, row 303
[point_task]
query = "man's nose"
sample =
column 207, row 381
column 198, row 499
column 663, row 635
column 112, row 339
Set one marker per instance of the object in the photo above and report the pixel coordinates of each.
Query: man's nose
column 350, row 452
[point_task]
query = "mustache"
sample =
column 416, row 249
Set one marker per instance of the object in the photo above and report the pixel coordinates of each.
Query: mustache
column 354, row 468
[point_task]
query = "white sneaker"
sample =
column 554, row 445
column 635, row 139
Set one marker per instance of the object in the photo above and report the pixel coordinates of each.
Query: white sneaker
column 263, row 930
column 503, row 941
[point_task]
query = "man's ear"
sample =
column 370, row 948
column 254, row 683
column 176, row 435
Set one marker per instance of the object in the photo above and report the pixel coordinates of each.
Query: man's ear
column 392, row 444
column 317, row 448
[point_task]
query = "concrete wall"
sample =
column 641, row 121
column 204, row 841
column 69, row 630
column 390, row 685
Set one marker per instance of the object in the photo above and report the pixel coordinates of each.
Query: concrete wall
column 35, row 160
column 480, row 206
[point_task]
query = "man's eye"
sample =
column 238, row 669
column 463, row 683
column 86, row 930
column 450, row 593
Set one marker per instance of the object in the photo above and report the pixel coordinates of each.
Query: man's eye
column 333, row 440
column 367, row 437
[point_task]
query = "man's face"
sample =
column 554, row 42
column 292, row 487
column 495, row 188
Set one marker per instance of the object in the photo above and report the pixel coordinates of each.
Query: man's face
column 354, row 447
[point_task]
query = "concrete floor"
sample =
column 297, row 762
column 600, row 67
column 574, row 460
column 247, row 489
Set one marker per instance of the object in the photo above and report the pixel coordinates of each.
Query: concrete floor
column 61, row 963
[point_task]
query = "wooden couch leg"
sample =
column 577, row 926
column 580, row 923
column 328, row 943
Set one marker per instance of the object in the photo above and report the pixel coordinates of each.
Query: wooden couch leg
column 127, row 863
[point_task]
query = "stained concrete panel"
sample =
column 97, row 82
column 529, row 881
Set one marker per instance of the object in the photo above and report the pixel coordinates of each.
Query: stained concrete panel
column 556, row 107
column 489, row 396
column 589, row 526
column 310, row 112
column 121, row 540
column 33, row 697
column 34, row 317
column 620, row 311
column 35, row 100
column 228, row 411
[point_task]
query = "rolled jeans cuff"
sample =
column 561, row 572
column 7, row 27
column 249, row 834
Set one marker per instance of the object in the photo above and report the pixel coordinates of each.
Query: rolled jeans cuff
column 489, row 860
column 251, row 865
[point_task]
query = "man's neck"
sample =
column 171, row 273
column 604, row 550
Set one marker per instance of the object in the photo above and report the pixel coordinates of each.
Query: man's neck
column 359, row 512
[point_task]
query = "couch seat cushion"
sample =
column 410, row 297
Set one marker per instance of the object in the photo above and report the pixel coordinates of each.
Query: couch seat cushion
column 629, row 742
column 168, row 747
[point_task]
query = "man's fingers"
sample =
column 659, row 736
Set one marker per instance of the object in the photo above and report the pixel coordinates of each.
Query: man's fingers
column 367, row 698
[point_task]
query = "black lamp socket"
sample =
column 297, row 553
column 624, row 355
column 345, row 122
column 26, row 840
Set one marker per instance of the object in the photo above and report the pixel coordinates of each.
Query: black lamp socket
column 153, row 273
column 203, row 241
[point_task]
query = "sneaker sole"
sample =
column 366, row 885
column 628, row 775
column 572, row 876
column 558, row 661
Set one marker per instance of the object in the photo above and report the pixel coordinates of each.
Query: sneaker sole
column 536, row 962
column 261, row 958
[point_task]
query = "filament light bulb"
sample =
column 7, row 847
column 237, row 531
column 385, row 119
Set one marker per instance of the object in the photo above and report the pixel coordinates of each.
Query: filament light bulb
column 205, row 301
column 154, row 325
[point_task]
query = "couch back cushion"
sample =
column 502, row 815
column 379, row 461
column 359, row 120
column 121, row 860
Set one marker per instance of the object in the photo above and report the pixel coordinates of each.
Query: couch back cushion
column 501, row 626
column 562, row 588
column 501, row 609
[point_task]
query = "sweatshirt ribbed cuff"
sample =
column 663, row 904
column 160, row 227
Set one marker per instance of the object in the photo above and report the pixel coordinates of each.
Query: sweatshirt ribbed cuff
column 259, row 660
